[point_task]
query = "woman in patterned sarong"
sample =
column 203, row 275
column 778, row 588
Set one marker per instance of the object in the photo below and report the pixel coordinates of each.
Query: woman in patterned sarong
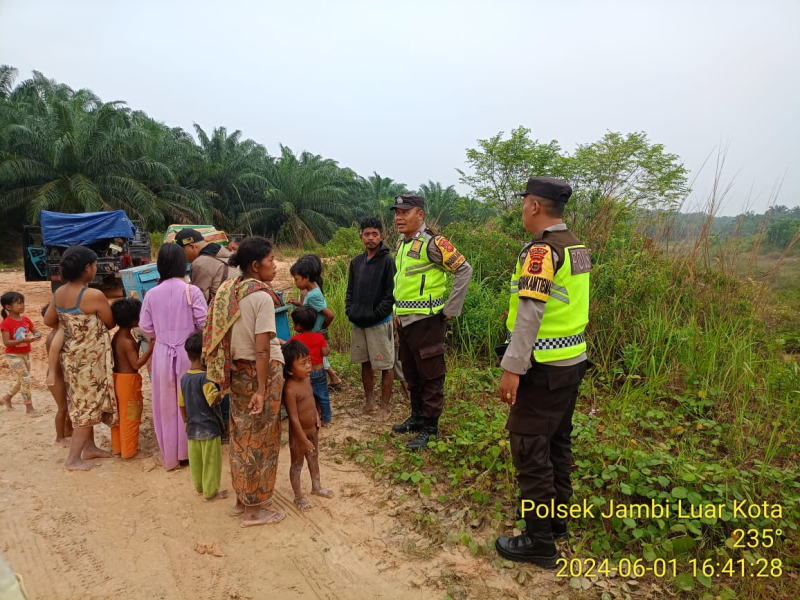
column 85, row 318
column 243, row 356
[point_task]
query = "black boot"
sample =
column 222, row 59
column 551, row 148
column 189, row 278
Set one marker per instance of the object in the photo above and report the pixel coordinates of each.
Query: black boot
column 535, row 545
column 558, row 526
column 428, row 432
column 412, row 423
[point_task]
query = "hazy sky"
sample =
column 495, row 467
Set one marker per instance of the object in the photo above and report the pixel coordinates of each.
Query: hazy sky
column 404, row 89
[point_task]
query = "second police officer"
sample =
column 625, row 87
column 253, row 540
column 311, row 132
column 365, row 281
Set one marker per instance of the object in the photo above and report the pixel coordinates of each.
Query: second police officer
column 543, row 365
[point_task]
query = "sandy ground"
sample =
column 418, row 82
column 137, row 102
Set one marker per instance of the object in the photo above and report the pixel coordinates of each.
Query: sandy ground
column 129, row 529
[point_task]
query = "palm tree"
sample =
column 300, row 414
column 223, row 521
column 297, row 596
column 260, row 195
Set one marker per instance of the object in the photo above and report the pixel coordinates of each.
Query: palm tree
column 375, row 194
column 230, row 171
column 439, row 202
column 70, row 152
column 306, row 198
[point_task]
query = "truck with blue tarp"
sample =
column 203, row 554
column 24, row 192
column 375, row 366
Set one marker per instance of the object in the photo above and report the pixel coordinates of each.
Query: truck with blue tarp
column 117, row 241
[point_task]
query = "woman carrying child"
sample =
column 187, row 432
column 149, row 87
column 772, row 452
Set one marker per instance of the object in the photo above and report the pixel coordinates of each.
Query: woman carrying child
column 243, row 355
column 171, row 312
column 18, row 333
column 85, row 318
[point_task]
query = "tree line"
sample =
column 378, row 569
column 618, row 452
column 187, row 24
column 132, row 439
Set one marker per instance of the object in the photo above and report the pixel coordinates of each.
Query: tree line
column 67, row 150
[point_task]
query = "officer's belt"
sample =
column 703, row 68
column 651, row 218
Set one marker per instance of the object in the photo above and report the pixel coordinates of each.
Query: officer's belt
column 555, row 343
column 419, row 303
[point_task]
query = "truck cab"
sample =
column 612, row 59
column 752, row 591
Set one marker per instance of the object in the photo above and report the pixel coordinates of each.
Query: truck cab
column 128, row 245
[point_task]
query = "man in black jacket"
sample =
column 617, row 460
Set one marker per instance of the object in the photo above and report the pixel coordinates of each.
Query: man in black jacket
column 368, row 305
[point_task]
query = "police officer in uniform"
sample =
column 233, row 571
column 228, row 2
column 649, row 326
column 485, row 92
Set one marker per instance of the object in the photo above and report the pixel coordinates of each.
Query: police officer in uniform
column 543, row 364
column 422, row 260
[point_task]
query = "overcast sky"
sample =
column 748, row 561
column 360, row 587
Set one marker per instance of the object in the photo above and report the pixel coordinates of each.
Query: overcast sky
column 404, row 89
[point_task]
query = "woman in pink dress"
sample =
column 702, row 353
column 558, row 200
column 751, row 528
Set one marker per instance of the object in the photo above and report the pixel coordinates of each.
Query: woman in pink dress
column 171, row 312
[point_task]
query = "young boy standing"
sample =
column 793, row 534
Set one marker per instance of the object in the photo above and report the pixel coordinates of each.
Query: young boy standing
column 307, row 275
column 298, row 396
column 303, row 318
column 127, row 380
column 197, row 399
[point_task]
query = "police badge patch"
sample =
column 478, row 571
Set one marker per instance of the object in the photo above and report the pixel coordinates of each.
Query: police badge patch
column 416, row 249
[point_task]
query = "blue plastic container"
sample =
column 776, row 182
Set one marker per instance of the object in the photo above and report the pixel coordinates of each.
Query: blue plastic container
column 137, row 280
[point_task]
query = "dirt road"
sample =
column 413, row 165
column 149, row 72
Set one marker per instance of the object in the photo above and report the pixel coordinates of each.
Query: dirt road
column 128, row 529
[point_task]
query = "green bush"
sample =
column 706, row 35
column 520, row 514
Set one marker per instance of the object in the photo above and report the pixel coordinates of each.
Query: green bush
column 490, row 252
column 345, row 242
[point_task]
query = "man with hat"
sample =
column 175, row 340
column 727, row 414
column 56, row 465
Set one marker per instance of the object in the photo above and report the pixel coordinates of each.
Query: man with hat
column 422, row 260
column 209, row 261
column 544, row 361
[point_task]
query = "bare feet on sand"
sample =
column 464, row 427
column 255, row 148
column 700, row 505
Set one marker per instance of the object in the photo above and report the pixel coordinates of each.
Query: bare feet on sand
column 322, row 492
column 369, row 407
column 264, row 516
column 30, row 411
column 385, row 413
column 80, row 465
column 7, row 400
column 302, row 503
column 90, row 453
column 63, row 442
column 220, row 495
column 237, row 510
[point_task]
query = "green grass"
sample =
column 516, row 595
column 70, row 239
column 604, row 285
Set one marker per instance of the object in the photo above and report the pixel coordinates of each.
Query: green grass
column 691, row 400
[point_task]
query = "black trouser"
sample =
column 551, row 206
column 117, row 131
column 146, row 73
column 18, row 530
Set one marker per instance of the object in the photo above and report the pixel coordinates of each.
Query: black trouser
column 540, row 426
column 422, row 355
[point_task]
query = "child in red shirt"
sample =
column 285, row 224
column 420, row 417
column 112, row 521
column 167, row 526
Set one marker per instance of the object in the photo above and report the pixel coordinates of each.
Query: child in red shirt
column 18, row 333
column 304, row 318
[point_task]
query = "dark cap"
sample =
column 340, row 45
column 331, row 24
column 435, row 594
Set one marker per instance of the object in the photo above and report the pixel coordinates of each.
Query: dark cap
column 406, row 201
column 188, row 236
column 551, row 188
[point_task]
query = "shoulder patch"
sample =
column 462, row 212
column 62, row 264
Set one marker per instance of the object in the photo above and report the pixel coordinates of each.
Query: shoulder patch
column 399, row 244
column 580, row 260
column 537, row 273
column 451, row 258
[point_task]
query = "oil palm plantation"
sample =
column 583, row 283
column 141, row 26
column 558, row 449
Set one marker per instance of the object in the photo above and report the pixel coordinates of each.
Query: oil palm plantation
column 439, row 202
column 68, row 151
column 230, row 172
column 307, row 198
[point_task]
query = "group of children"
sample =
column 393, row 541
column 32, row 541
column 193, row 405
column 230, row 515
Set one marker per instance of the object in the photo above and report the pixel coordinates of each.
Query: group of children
column 306, row 398
column 306, row 395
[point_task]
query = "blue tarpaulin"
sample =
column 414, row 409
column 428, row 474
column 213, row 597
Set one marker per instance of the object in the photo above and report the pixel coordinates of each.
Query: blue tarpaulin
column 61, row 229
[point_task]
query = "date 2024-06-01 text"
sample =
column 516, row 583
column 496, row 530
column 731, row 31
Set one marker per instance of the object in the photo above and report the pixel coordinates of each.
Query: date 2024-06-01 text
column 661, row 567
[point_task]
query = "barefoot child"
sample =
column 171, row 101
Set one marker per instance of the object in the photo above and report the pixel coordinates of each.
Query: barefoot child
column 196, row 399
column 303, row 318
column 303, row 421
column 307, row 274
column 55, row 381
column 18, row 333
column 127, row 380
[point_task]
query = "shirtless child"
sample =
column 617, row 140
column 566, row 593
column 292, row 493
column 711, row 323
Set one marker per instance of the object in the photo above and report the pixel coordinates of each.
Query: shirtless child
column 127, row 380
column 57, row 385
column 304, row 421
